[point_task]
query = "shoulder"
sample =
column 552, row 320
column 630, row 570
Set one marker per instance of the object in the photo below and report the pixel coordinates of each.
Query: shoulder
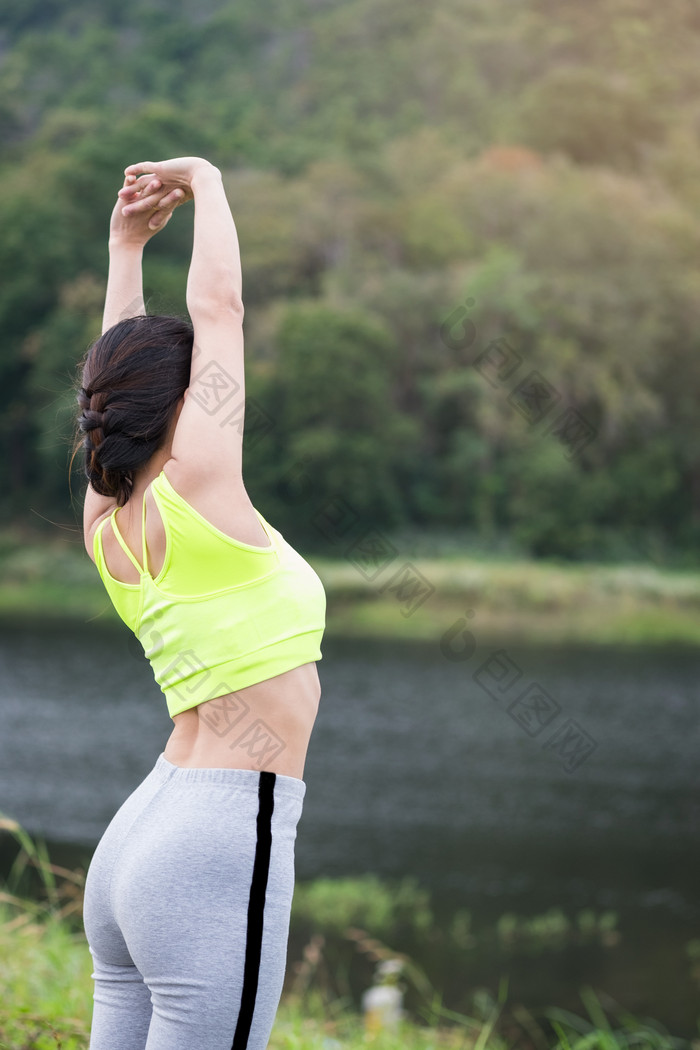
column 96, row 508
column 220, row 497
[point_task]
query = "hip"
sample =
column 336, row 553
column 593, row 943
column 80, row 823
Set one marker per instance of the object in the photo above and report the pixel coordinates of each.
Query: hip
column 188, row 835
column 173, row 807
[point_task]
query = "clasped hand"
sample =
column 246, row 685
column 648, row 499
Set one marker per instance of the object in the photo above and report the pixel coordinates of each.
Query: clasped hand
column 150, row 194
column 143, row 207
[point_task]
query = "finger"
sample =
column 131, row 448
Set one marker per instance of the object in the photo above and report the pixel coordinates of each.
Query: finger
column 142, row 185
column 137, row 180
column 148, row 203
column 159, row 221
column 145, row 166
column 157, row 199
column 138, row 207
column 131, row 196
column 170, row 200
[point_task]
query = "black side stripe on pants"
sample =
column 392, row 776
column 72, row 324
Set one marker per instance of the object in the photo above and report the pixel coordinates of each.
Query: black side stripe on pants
column 256, row 908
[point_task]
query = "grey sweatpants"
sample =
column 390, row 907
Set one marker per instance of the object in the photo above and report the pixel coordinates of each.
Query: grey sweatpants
column 186, row 911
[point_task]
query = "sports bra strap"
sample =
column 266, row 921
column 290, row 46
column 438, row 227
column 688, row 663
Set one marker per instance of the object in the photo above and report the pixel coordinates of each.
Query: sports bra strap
column 122, row 542
column 143, row 532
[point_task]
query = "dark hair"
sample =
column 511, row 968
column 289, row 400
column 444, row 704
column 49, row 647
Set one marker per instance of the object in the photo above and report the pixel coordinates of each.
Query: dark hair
column 132, row 379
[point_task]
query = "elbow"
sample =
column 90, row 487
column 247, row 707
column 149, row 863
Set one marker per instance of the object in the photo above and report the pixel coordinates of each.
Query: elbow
column 226, row 284
column 233, row 304
column 236, row 304
column 214, row 304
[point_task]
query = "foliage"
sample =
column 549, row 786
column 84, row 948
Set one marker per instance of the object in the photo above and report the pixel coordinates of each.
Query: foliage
column 385, row 161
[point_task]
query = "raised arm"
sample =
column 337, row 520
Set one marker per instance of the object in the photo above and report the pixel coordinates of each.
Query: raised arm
column 124, row 296
column 214, row 280
column 128, row 233
column 208, row 438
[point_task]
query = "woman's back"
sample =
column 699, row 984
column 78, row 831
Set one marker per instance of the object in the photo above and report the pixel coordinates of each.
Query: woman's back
column 229, row 602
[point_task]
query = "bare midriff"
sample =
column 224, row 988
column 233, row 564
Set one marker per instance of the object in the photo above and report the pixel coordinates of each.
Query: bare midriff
column 263, row 726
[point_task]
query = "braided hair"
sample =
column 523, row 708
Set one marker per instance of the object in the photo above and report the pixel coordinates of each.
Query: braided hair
column 132, row 379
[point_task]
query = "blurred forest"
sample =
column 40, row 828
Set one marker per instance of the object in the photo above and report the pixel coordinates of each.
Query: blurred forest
column 386, row 162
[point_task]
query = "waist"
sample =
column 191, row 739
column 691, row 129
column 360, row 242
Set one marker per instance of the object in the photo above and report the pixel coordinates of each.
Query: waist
column 262, row 726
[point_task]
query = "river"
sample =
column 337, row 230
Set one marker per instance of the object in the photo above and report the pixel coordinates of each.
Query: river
column 508, row 780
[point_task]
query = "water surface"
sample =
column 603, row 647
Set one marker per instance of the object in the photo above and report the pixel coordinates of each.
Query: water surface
column 418, row 765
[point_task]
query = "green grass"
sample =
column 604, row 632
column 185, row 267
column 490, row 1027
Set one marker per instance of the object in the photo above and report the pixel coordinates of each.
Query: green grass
column 513, row 600
column 46, row 989
column 520, row 601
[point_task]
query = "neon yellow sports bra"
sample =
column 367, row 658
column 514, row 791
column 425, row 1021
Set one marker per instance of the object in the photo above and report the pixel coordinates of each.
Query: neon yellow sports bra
column 221, row 614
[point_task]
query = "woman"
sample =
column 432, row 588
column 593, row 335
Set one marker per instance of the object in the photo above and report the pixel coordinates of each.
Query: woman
column 188, row 894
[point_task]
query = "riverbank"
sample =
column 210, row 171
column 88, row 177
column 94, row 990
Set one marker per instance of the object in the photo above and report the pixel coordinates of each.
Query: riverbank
column 46, row 986
column 413, row 598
